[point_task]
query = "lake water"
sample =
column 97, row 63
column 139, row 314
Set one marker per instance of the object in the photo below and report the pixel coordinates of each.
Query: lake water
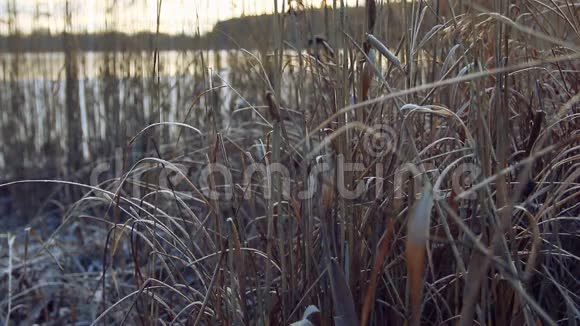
column 118, row 94
column 50, row 65
column 113, row 89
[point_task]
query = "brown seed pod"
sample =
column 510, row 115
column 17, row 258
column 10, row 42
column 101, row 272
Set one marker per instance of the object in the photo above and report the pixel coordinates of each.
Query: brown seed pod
column 371, row 15
column 273, row 106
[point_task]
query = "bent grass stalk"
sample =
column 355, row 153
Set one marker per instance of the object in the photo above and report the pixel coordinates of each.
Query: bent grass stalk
column 195, row 223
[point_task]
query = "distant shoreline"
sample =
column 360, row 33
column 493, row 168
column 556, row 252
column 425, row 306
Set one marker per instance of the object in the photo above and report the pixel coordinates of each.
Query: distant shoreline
column 250, row 32
column 102, row 42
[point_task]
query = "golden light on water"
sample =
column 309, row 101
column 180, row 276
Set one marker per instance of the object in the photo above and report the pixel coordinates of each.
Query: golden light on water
column 130, row 16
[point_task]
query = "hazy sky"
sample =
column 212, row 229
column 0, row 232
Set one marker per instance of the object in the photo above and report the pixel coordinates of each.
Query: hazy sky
column 135, row 15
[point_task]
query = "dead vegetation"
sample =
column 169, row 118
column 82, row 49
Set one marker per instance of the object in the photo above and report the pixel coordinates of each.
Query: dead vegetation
column 464, row 138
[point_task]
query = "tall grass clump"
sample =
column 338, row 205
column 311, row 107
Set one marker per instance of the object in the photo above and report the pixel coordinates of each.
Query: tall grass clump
column 419, row 168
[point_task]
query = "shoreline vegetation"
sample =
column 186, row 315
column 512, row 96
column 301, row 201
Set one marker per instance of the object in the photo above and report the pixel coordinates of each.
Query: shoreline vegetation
column 415, row 165
column 249, row 32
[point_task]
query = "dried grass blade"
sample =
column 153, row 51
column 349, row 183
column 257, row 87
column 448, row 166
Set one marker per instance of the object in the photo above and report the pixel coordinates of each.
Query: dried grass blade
column 383, row 250
column 11, row 240
column 240, row 264
column 417, row 237
column 344, row 309
column 429, row 36
column 476, row 271
column 384, row 51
